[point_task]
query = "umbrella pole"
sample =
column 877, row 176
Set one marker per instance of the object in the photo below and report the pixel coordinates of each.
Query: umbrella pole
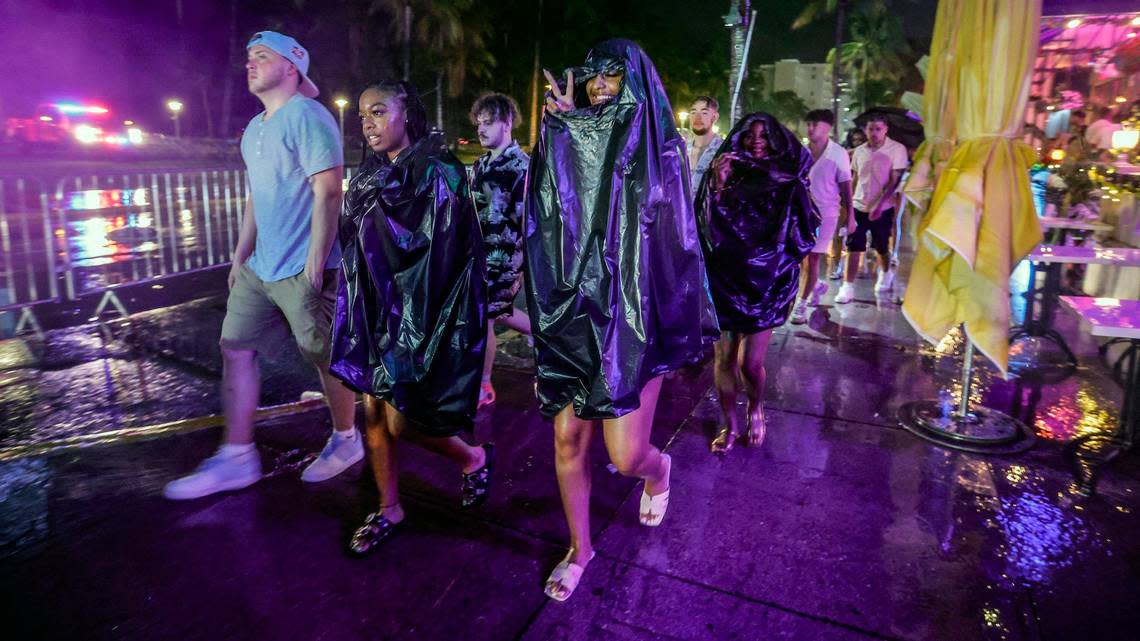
column 967, row 379
column 981, row 430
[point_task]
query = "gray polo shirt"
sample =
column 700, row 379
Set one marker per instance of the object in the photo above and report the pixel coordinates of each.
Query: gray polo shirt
column 281, row 153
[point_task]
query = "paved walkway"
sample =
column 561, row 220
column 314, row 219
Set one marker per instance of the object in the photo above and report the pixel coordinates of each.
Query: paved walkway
column 841, row 526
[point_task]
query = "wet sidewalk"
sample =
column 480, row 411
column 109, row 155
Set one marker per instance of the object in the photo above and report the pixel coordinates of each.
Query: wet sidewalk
column 841, row 526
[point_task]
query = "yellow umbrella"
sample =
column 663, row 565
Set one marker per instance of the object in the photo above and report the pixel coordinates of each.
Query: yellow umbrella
column 981, row 220
column 939, row 108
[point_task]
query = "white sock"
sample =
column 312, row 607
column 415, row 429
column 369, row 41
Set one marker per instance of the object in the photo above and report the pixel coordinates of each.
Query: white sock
column 347, row 435
column 230, row 450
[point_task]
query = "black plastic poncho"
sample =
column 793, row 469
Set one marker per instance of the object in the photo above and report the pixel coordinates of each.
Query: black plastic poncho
column 410, row 324
column 615, row 280
column 757, row 228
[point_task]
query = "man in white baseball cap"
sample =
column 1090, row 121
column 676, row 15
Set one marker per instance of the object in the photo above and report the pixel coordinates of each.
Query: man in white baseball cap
column 284, row 274
column 291, row 50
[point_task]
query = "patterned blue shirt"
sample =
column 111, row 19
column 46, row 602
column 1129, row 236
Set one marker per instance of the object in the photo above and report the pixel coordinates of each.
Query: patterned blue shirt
column 702, row 165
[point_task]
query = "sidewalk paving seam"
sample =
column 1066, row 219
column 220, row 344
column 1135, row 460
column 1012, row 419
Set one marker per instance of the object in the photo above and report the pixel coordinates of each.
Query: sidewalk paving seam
column 768, row 604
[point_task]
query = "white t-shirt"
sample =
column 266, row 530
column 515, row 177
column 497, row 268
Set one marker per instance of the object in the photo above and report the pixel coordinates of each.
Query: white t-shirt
column 830, row 169
column 873, row 168
column 1099, row 134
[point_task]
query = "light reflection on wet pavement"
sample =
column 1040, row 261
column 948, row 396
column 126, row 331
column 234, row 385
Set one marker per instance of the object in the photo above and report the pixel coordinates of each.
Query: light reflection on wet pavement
column 161, row 366
column 841, row 526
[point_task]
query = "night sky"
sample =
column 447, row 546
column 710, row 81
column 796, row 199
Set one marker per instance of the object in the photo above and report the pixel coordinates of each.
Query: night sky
column 131, row 55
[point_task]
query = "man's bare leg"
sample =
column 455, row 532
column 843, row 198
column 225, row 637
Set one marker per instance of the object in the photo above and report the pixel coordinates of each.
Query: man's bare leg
column 241, row 391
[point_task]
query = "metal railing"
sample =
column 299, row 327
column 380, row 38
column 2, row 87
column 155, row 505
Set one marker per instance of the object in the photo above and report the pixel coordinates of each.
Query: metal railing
column 90, row 235
column 27, row 260
column 93, row 234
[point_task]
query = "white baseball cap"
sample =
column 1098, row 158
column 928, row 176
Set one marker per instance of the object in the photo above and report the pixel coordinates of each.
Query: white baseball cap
column 291, row 50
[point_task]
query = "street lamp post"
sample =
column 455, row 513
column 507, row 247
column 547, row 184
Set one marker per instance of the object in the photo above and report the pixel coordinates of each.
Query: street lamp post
column 341, row 103
column 175, row 108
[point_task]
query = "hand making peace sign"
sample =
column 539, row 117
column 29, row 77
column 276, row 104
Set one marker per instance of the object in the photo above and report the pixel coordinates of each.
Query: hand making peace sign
column 558, row 101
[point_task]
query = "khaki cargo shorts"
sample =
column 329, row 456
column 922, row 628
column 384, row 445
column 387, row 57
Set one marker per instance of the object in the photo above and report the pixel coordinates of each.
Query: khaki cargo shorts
column 261, row 315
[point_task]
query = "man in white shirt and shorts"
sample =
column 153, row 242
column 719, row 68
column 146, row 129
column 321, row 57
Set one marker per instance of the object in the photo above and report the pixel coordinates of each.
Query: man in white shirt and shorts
column 831, row 192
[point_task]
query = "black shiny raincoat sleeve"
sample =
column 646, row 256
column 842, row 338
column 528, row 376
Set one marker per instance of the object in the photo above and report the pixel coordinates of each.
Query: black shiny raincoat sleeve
column 615, row 280
column 756, row 229
column 410, row 324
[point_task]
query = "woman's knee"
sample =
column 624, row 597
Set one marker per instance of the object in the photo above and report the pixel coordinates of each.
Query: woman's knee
column 571, row 441
column 752, row 370
column 381, row 421
column 376, row 435
column 628, row 458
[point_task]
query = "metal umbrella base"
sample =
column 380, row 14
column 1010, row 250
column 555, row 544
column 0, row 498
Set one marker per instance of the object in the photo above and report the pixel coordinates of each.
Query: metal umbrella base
column 979, row 430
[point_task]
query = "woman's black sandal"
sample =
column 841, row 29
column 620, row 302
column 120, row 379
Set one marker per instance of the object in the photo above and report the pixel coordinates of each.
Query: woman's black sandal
column 376, row 529
column 477, row 484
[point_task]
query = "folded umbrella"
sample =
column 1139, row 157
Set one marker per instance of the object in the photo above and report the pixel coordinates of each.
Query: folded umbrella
column 902, row 126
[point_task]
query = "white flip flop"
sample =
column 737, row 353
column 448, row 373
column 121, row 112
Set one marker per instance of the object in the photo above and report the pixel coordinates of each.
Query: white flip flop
column 653, row 508
column 567, row 575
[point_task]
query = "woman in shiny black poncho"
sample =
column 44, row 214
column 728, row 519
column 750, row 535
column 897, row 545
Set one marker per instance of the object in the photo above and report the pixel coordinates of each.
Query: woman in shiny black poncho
column 615, row 280
column 410, row 324
column 757, row 223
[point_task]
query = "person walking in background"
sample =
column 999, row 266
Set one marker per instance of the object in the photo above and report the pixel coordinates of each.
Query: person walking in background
column 838, row 254
column 877, row 168
column 830, row 178
column 758, row 222
column 498, row 187
column 704, row 143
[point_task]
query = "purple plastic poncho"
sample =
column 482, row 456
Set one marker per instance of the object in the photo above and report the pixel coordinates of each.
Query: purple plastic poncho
column 757, row 228
column 615, row 280
column 410, row 324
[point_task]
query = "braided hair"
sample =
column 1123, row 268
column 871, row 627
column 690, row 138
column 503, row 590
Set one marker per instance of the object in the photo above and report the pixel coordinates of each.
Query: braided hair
column 417, row 122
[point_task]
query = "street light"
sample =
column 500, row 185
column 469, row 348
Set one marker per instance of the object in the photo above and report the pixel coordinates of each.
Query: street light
column 684, row 117
column 175, row 108
column 341, row 103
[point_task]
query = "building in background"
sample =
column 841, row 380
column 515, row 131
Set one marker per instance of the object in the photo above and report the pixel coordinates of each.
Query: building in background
column 812, row 83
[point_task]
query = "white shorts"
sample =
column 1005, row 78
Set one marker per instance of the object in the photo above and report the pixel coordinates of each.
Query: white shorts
column 826, row 233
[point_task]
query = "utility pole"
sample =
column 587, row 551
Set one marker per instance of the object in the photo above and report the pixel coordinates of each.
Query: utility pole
column 535, row 83
column 840, row 17
column 740, row 19
column 737, row 21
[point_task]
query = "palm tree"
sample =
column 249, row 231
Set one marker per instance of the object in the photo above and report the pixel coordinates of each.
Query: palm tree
column 814, row 10
column 874, row 54
column 453, row 33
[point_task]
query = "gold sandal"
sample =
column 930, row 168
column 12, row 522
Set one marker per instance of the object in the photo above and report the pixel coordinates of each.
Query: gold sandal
column 724, row 442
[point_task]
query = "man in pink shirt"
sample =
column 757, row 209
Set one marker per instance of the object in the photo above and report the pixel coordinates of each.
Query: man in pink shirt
column 877, row 167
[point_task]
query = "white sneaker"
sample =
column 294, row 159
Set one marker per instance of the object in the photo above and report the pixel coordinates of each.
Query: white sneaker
column 339, row 455
column 218, row 473
column 799, row 312
column 885, row 280
column 846, row 294
column 817, row 293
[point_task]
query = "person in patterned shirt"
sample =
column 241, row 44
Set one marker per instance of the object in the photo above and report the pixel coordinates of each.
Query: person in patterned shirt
column 497, row 187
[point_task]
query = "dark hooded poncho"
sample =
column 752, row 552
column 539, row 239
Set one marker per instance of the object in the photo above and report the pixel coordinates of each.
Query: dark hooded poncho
column 410, row 324
column 615, row 280
column 758, row 228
